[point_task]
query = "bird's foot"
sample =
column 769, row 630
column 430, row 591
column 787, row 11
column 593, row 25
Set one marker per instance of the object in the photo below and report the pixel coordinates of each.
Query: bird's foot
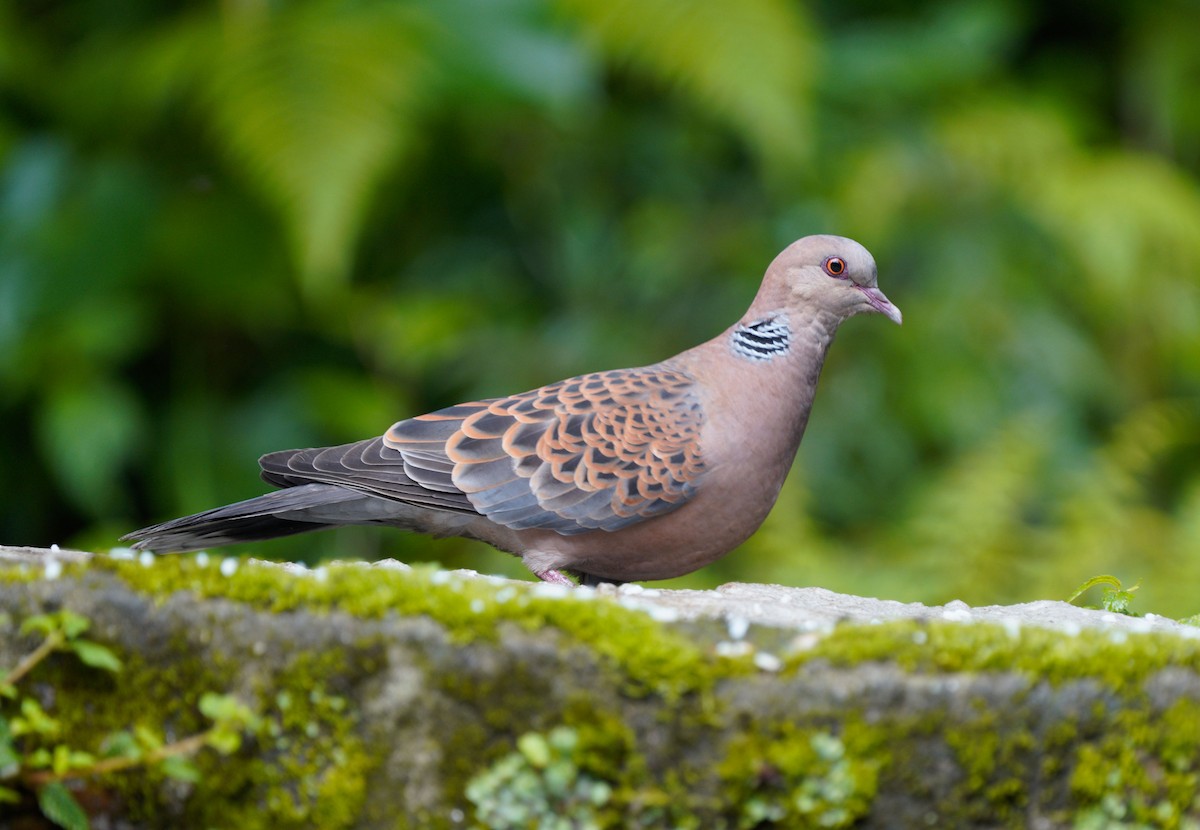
column 554, row 577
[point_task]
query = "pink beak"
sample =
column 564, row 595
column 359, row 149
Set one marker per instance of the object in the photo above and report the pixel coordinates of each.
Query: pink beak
column 881, row 304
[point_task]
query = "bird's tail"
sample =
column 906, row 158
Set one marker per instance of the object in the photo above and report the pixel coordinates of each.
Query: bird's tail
column 282, row 513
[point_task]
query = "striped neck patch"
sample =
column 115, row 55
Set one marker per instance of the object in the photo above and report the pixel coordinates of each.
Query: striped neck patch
column 763, row 339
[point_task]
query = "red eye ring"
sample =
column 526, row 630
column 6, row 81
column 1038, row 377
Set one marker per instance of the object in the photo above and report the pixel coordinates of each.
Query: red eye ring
column 835, row 267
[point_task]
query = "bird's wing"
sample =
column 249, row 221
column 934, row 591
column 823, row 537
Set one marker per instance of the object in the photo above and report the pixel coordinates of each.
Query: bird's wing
column 599, row 451
column 370, row 467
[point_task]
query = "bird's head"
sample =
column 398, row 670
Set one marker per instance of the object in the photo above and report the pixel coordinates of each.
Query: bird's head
column 830, row 274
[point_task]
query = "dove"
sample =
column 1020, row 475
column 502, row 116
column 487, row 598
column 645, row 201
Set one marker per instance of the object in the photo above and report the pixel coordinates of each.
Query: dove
column 615, row 476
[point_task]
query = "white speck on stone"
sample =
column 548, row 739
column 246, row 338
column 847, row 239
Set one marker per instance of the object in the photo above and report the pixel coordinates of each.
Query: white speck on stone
column 54, row 548
column 477, row 606
column 439, row 577
column 651, row 592
column 920, row 637
column 122, row 553
column 551, row 590
column 1141, row 626
column 259, row 648
column 631, row 588
column 229, row 566
column 728, row 649
column 457, row 816
column 505, row 594
column 1071, row 629
column 320, row 573
column 54, row 569
column 392, row 564
column 145, row 559
column 767, row 662
column 584, row 592
column 1108, row 618
column 804, row 642
column 1118, row 636
column 202, row 559
column 1012, row 626
column 956, row 611
column 663, row 614
column 737, row 627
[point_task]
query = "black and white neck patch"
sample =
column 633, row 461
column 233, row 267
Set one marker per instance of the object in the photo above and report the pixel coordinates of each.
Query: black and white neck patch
column 763, row 339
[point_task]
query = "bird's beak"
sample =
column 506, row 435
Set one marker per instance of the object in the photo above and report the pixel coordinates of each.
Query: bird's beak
column 881, row 304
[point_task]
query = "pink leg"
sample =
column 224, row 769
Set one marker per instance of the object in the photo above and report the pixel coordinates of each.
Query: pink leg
column 554, row 577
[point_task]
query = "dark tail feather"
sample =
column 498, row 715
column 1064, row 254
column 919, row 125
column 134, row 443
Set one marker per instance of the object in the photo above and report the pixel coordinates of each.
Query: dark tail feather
column 263, row 517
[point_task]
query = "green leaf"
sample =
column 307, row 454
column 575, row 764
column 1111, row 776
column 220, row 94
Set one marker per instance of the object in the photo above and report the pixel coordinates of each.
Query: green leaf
column 1102, row 579
column 40, row 624
column 535, row 749
column 10, row 759
column 58, row 805
column 61, row 759
column 9, row 796
column 88, row 430
column 147, row 738
column 230, row 719
column 224, row 740
column 120, row 745
column 1118, row 601
column 81, row 759
column 217, row 707
column 229, row 710
column 33, row 720
column 95, row 655
column 181, row 769
column 73, row 624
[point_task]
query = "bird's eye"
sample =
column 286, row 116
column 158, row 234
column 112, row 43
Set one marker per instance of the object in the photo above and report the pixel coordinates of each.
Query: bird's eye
column 835, row 266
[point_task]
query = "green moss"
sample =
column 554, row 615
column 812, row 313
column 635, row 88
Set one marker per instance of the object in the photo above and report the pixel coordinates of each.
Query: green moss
column 308, row 767
column 995, row 758
column 791, row 775
column 1143, row 772
column 649, row 657
column 1121, row 661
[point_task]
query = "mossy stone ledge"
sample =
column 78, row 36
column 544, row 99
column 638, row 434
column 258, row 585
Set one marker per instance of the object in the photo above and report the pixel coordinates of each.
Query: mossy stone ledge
column 398, row 697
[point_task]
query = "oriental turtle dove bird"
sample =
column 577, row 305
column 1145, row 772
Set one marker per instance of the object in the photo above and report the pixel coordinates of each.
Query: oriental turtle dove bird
column 632, row 474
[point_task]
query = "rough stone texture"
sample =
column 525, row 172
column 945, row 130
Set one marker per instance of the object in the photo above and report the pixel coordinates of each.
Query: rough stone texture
column 746, row 706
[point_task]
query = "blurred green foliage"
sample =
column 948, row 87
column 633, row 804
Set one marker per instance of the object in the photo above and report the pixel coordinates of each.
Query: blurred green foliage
column 228, row 228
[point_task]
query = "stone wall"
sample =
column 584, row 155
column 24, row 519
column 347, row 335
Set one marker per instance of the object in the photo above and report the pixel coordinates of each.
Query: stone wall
column 396, row 697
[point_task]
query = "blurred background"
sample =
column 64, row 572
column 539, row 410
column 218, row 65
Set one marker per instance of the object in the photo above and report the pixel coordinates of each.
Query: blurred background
column 228, row 228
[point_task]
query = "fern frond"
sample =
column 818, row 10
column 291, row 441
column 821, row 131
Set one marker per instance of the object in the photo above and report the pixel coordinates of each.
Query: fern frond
column 749, row 63
column 314, row 106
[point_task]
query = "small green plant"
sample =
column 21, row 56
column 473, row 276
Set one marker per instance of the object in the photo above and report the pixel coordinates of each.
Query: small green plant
column 36, row 759
column 540, row 785
column 794, row 778
column 1116, row 598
